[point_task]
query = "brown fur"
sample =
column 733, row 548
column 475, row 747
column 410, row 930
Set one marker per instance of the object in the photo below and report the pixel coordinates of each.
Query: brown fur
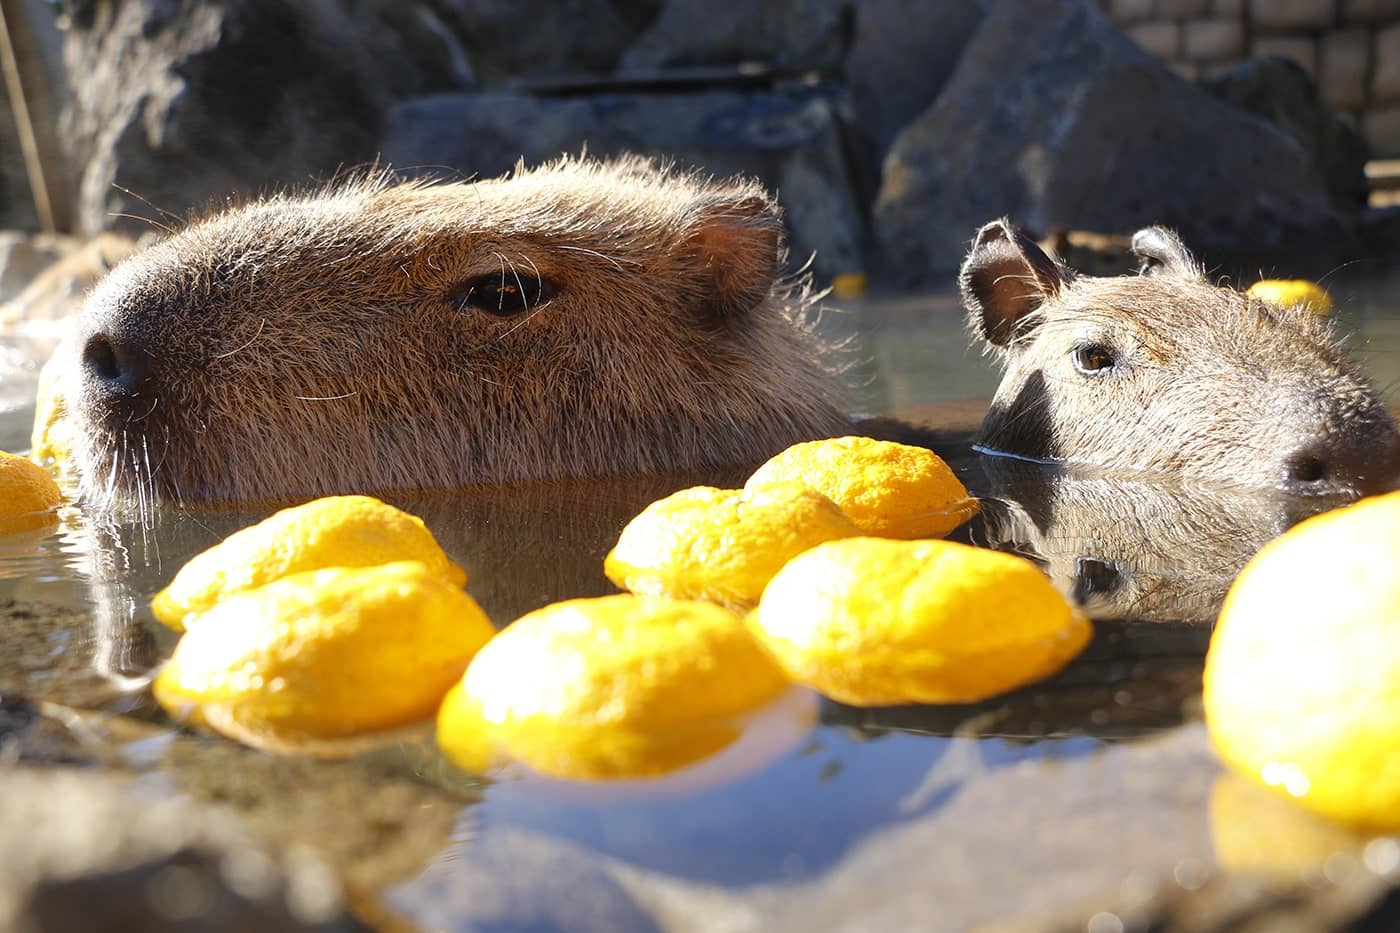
column 1205, row 381
column 305, row 345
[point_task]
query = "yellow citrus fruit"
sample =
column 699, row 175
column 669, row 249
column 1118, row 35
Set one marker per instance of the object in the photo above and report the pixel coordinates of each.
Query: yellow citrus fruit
column 338, row 531
column 888, row 490
column 1302, row 679
column 51, row 442
column 723, row 545
column 1291, row 293
column 878, row 622
column 325, row 653
column 617, row 686
column 29, row 498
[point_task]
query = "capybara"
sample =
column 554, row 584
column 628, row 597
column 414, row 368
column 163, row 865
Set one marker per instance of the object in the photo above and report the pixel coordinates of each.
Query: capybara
column 1165, row 372
column 578, row 319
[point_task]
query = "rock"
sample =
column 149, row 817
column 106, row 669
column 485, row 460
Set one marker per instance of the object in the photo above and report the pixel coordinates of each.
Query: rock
column 509, row 879
column 76, row 846
column 1162, row 39
column 46, row 278
column 1213, row 40
column 401, row 821
column 1292, row 15
column 902, row 54
column 1055, row 118
column 1385, row 77
column 792, row 36
column 1369, row 12
column 29, row 735
column 1280, row 91
column 1229, row 903
column 182, row 102
column 789, row 140
column 23, row 256
column 1130, row 11
column 1346, row 63
column 511, row 38
column 1300, row 49
column 50, row 648
column 16, row 202
column 1280, row 867
column 1382, row 128
column 1039, row 835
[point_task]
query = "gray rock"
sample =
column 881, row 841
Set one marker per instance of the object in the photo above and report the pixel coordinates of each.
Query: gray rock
column 1038, row 835
column 52, row 276
column 1229, row 903
column 902, row 54
column 377, row 818
column 536, row 38
column 49, row 649
column 507, row 879
column 1057, row 119
column 790, row 35
column 789, row 140
column 32, row 736
column 1280, row 91
column 181, row 102
column 23, row 256
column 76, row 847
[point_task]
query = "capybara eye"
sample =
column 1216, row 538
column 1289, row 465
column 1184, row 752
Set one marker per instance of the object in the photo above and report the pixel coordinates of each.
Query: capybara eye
column 501, row 295
column 1094, row 359
column 1095, row 577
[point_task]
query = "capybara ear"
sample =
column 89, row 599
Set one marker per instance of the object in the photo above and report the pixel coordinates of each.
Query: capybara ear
column 739, row 245
column 1005, row 278
column 1161, row 252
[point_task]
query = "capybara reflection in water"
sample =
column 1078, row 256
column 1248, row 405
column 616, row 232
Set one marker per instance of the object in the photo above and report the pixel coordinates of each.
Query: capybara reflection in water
column 1165, row 372
column 579, row 319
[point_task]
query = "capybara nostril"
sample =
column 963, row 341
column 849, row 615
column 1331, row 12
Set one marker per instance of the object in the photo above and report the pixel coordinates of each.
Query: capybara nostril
column 117, row 367
column 1361, row 466
column 1307, row 468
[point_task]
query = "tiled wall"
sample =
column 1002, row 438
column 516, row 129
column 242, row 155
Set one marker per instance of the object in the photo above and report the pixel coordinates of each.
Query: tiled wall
column 1351, row 47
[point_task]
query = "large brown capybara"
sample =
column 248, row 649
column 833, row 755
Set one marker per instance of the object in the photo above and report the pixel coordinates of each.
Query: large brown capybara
column 579, row 319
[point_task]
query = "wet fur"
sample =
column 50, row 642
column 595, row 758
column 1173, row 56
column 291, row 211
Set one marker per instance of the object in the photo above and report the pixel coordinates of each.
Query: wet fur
column 1209, row 382
column 313, row 344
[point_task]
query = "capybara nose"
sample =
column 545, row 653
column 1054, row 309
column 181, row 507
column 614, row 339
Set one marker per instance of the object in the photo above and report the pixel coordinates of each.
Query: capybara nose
column 116, row 368
column 1307, row 467
column 1366, row 467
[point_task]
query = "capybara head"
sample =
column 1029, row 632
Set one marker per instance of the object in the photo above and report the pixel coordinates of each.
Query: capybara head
column 1164, row 372
column 578, row 319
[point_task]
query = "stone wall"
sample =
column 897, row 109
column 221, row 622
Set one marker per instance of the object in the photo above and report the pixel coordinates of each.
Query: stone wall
column 1350, row 47
column 890, row 129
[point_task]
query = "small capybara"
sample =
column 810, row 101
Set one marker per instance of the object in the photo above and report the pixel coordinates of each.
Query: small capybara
column 582, row 318
column 1164, row 372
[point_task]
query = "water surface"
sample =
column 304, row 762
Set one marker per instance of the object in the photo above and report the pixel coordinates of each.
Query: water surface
column 1097, row 781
